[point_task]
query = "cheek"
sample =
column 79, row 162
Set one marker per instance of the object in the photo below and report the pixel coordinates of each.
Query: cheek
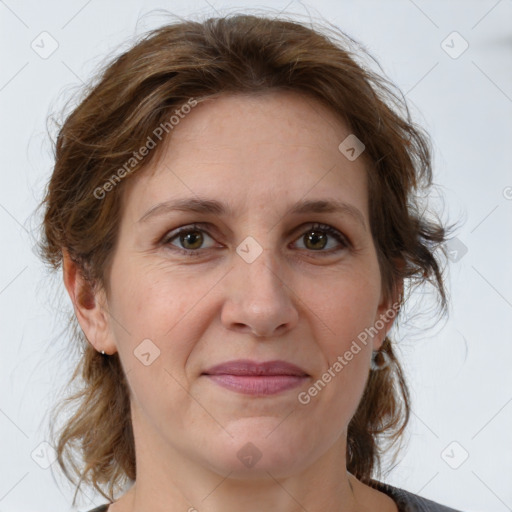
column 150, row 321
column 346, row 307
column 150, row 300
column 152, row 329
column 334, row 395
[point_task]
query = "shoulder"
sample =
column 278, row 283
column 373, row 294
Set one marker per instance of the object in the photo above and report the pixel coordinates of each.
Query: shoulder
column 410, row 502
column 101, row 508
column 405, row 500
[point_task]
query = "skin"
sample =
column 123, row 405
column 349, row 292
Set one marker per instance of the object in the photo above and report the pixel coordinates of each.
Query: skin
column 297, row 301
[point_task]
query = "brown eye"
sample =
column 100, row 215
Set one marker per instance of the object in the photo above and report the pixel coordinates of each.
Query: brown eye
column 317, row 237
column 191, row 239
column 188, row 240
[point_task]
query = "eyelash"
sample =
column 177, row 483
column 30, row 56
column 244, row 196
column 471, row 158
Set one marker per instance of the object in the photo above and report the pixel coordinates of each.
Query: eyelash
column 329, row 230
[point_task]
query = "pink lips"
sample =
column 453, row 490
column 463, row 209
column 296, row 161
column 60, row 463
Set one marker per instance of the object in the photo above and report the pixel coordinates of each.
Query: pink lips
column 253, row 378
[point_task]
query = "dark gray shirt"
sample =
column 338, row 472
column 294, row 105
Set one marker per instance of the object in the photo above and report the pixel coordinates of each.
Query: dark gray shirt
column 405, row 501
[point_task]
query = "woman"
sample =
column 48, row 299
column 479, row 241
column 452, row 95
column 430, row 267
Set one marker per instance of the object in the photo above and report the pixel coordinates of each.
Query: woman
column 233, row 206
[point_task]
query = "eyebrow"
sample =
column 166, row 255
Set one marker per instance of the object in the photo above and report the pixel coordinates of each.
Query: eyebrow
column 214, row 207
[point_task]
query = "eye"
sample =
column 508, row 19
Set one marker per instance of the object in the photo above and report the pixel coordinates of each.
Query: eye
column 317, row 235
column 191, row 239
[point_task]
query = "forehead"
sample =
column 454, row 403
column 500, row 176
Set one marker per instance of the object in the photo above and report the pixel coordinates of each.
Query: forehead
column 277, row 146
column 241, row 122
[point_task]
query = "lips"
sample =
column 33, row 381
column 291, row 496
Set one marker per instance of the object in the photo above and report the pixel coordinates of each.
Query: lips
column 246, row 367
column 253, row 378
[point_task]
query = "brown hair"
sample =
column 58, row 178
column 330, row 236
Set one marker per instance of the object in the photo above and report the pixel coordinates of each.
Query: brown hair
column 138, row 92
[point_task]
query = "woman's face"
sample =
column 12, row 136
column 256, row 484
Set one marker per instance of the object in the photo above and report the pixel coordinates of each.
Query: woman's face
column 256, row 281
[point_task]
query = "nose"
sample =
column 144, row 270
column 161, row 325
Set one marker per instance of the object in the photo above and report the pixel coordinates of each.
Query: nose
column 259, row 299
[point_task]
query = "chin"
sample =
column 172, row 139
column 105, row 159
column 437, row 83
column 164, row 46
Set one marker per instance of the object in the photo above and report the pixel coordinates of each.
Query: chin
column 263, row 445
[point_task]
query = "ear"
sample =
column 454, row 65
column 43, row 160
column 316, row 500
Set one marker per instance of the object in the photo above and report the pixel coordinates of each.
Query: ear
column 89, row 305
column 386, row 313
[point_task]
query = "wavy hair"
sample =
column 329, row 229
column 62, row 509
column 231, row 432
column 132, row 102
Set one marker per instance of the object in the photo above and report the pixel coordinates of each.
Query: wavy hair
column 137, row 92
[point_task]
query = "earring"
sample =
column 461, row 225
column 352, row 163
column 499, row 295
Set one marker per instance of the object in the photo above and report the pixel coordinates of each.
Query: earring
column 103, row 352
column 380, row 360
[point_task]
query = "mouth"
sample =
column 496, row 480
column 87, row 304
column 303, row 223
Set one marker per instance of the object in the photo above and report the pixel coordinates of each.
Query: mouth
column 255, row 378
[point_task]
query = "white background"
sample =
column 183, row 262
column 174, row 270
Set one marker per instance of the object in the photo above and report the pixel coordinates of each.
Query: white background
column 459, row 372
